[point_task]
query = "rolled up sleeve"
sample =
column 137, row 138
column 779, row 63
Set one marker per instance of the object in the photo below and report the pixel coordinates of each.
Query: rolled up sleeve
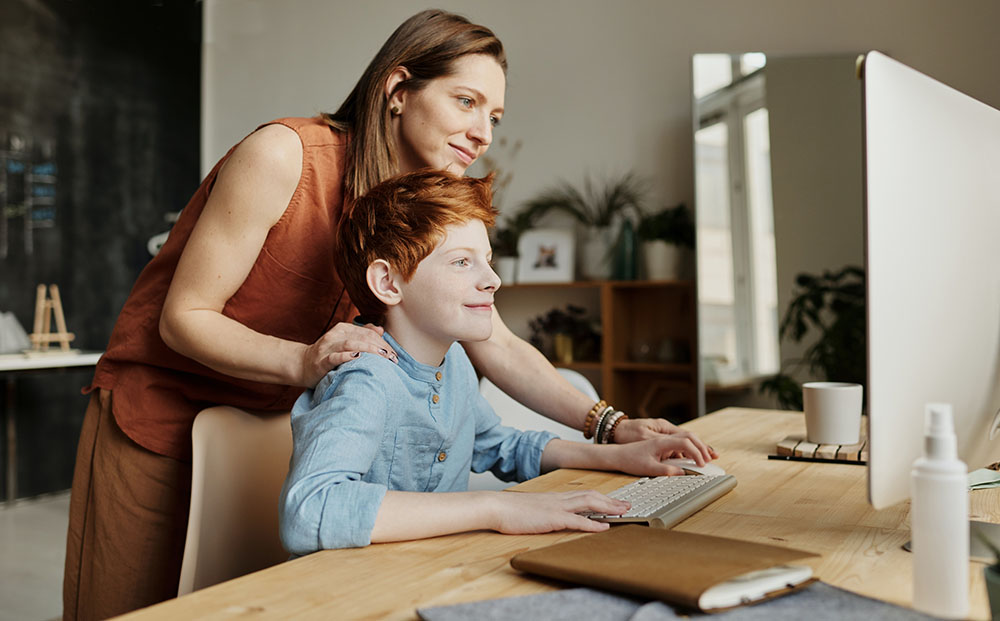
column 510, row 454
column 336, row 434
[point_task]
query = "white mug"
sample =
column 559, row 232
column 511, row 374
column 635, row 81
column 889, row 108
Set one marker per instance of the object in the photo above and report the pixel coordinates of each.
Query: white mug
column 833, row 412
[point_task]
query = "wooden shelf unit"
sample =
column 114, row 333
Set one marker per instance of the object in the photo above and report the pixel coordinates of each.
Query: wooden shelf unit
column 660, row 315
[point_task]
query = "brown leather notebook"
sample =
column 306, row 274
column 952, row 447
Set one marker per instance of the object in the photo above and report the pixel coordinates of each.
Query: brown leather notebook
column 668, row 565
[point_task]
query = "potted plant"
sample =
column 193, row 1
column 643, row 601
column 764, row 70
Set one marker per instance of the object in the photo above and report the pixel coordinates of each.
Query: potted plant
column 596, row 208
column 666, row 236
column 566, row 335
column 831, row 305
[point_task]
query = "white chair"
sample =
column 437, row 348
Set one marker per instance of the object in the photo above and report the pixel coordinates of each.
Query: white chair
column 513, row 414
column 239, row 464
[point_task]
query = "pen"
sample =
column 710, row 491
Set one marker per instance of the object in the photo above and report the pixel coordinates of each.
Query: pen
column 822, row 460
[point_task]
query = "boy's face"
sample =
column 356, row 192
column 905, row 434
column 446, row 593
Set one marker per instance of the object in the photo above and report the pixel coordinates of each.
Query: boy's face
column 450, row 296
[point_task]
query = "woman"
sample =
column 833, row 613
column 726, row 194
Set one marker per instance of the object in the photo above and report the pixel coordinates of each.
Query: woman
column 243, row 306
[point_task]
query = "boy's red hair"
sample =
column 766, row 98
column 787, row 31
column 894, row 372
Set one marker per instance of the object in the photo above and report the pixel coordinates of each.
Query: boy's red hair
column 401, row 221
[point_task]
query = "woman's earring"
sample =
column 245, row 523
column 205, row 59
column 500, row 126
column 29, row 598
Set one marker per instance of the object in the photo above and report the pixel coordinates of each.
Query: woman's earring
column 394, row 110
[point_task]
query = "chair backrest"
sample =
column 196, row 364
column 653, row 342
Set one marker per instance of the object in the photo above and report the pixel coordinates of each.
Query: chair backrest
column 518, row 416
column 239, row 464
column 515, row 415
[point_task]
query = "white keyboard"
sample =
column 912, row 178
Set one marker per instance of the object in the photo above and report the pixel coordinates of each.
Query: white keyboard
column 664, row 501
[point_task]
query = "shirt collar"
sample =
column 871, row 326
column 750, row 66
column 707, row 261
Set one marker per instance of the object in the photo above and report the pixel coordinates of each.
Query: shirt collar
column 416, row 370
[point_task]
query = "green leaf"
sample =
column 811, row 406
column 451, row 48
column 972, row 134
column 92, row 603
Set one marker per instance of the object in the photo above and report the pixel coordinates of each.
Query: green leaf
column 828, row 312
column 594, row 206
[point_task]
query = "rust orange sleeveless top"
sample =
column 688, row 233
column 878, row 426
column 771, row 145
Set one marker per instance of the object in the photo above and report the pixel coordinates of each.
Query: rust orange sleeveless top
column 292, row 292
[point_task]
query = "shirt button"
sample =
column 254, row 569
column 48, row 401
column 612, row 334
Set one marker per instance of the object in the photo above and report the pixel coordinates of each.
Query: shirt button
column 437, row 376
column 435, row 398
column 442, row 456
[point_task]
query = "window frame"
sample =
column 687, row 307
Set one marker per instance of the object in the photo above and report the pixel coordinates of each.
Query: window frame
column 731, row 105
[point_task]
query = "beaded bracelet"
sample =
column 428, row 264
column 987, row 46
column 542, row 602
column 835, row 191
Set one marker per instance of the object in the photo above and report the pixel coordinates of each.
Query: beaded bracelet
column 611, row 431
column 598, row 407
column 602, row 420
column 592, row 430
column 602, row 438
column 608, row 423
column 589, row 421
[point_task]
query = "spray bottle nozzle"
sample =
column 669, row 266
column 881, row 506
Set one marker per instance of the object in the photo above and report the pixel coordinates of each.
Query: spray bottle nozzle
column 939, row 431
column 938, row 419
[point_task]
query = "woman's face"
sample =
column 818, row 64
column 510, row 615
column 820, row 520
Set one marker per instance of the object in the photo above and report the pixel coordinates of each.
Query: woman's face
column 449, row 123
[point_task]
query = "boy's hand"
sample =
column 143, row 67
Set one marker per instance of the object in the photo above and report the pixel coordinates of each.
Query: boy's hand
column 530, row 513
column 645, row 458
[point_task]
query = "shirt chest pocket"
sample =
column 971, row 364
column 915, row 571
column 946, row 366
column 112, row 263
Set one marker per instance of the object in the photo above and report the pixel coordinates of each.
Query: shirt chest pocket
column 414, row 452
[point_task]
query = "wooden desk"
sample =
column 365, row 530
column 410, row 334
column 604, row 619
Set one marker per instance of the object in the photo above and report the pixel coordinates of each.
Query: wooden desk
column 817, row 507
column 12, row 365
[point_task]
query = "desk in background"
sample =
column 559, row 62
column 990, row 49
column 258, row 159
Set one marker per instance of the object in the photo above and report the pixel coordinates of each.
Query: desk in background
column 12, row 365
column 818, row 507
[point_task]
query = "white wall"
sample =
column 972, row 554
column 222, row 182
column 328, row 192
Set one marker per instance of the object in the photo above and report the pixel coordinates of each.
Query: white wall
column 594, row 86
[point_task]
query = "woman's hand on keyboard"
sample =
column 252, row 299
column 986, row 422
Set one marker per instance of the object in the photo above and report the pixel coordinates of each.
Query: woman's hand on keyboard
column 645, row 458
column 637, row 429
column 527, row 513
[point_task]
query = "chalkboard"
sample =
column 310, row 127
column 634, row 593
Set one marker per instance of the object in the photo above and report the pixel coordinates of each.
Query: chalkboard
column 99, row 105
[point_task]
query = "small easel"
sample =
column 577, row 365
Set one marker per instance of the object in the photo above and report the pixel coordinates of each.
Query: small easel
column 45, row 308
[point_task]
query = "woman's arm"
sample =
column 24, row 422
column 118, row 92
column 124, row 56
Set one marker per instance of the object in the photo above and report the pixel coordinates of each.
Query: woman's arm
column 250, row 194
column 525, row 374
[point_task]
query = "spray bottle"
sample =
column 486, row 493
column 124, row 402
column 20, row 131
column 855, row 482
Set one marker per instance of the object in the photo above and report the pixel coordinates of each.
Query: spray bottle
column 939, row 521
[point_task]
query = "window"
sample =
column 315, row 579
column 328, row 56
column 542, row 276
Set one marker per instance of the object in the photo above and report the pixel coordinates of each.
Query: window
column 736, row 257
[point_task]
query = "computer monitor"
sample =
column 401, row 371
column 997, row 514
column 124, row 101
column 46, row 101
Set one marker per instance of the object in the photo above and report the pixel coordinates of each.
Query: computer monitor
column 932, row 228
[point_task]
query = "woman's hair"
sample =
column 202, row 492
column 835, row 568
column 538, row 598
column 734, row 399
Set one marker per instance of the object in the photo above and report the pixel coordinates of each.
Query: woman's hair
column 427, row 44
column 402, row 220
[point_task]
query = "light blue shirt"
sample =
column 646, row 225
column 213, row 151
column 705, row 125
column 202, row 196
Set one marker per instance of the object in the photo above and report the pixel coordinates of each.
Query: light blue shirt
column 372, row 425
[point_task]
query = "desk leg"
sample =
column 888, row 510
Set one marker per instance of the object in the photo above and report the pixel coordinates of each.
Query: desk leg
column 11, row 419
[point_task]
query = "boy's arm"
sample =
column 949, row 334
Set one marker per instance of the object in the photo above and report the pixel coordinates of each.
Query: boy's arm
column 418, row 515
column 510, row 454
column 324, row 503
column 643, row 458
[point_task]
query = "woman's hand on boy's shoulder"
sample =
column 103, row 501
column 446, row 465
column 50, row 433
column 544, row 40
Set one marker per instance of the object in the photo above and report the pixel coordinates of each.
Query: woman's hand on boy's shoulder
column 343, row 342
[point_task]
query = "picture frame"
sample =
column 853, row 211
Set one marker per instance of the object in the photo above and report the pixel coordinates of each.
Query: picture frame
column 546, row 256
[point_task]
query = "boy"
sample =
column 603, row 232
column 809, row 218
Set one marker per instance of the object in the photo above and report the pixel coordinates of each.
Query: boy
column 374, row 436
